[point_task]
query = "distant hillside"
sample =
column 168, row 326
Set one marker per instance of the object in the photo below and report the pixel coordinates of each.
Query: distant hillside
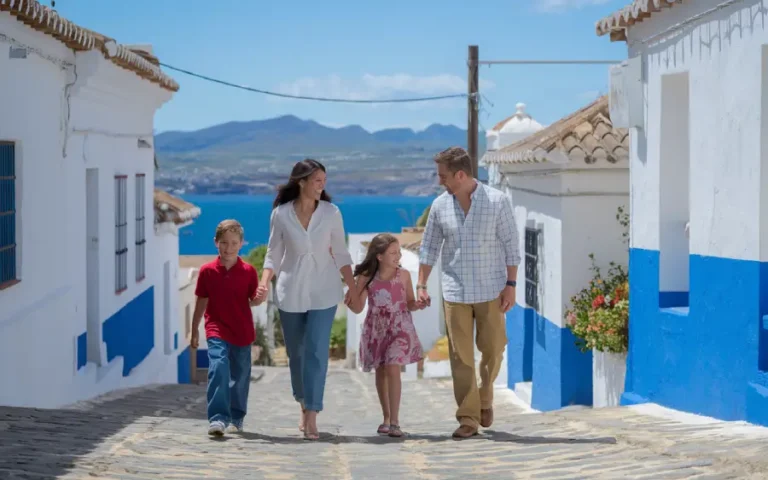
column 291, row 135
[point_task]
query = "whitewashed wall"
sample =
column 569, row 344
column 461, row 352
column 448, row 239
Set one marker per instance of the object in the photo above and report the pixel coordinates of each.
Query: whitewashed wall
column 31, row 93
column 544, row 213
column 428, row 322
column 355, row 321
column 725, row 129
column 63, row 125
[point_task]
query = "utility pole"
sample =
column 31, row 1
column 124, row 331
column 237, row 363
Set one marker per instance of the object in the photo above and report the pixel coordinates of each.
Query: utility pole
column 472, row 106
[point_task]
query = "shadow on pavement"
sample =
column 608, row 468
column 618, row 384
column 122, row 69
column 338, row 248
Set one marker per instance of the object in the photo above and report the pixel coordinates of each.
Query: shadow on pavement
column 47, row 443
column 487, row 435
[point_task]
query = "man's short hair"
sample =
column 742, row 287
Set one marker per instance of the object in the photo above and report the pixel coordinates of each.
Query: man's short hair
column 455, row 159
column 229, row 226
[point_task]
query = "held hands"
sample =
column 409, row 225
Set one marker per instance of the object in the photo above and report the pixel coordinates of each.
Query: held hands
column 507, row 298
column 422, row 298
column 261, row 295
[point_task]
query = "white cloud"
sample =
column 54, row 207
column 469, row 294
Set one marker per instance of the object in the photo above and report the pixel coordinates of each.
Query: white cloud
column 564, row 5
column 368, row 86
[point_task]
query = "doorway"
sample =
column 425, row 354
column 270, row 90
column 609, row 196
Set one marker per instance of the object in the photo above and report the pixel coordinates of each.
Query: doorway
column 93, row 319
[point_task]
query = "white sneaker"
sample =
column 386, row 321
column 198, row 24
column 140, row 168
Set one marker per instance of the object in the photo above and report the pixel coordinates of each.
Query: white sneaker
column 216, row 428
column 235, row 427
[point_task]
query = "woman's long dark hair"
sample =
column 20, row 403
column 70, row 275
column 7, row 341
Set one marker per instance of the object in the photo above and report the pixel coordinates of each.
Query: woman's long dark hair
column 370, row 265
column 290, row 191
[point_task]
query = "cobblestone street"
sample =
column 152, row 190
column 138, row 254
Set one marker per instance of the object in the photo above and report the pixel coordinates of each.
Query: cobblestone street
column 160, row 432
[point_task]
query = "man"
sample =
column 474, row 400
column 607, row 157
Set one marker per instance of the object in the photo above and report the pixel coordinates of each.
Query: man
column 475, row 226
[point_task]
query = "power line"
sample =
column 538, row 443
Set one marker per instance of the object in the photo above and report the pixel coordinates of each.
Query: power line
column 549, row 62
column 317, row 99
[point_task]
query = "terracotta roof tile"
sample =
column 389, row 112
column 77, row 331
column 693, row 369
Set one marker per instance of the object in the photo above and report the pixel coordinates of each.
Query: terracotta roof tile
column 617, row 23
column 173, row 209
column 48, row 21
column 586, row 135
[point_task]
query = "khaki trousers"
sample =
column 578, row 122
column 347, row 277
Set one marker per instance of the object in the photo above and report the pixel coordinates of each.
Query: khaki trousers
column 491, row 340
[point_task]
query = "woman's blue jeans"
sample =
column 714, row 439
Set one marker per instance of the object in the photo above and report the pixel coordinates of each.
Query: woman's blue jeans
column 307, row 340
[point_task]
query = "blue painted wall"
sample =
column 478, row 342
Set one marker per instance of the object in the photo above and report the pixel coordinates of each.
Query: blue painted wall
column 184, row 366
column 519, row 345
column 704, row 359
column 541, row 352
column 202, row 358
column 82, row 350
column 130, row 333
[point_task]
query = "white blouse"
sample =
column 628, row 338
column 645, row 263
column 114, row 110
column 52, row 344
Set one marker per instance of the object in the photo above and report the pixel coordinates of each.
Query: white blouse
column 308, row 275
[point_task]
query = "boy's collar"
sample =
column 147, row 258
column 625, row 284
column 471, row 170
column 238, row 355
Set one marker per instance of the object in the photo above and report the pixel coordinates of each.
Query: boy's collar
column 219, row 264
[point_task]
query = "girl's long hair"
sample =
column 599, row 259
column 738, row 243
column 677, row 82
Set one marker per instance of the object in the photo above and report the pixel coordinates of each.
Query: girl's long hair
column 370, row 265
column 290, row 191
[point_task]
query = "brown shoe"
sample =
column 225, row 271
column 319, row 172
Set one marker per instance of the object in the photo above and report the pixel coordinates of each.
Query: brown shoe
column 486, row 417
column 464, row 431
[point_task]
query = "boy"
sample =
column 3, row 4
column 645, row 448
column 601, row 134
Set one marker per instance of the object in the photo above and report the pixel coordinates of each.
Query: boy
column 225, row 291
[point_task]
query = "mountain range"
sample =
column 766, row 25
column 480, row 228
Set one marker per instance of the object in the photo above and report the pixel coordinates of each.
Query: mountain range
column 291, row 135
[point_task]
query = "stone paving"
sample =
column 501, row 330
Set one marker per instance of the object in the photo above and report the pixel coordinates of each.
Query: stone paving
column 160, row 432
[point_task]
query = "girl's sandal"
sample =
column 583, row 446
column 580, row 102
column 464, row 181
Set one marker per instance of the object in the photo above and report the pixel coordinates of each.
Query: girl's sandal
column 311, row 436
column 383, row 429
column 394, row 431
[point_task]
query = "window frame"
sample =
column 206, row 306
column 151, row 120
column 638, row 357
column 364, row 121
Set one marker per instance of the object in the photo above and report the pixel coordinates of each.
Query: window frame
column 13, row 245
column 121, row 233
column 532, row 270
column 141, row 227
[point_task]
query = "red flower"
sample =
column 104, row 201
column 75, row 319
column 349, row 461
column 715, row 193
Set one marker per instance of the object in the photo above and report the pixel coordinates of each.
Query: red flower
column 599, row 300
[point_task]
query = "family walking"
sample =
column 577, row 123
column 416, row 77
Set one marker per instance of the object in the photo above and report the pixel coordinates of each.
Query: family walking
column 471, row 227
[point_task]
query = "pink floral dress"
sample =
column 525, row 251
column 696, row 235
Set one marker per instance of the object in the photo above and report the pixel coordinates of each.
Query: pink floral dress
column 389, row 337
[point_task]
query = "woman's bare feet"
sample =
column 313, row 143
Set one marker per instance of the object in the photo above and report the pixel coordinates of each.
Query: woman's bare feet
column 303, row 419
column 310, row 425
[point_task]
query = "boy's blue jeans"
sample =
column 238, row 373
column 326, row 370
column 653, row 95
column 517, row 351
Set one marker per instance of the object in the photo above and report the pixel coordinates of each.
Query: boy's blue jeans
column 307, row 340
column 229, row 378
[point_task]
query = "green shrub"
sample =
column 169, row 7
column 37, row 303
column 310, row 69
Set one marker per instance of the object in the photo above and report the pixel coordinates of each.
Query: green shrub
column 265, row 356
column 339, row 337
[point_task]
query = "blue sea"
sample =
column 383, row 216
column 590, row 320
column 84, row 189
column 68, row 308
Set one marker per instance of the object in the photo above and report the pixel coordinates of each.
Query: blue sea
column 362, row 214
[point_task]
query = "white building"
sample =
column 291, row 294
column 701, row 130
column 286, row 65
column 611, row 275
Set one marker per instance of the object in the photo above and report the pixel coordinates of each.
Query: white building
column 86, row 286
column 566, row 182
column 171, row 215
column 511, row 130
column 694, row 94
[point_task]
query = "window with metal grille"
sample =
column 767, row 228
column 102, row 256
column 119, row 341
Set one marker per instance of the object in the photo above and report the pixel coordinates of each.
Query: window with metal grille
column 141, row 241
column 532, row 267
column 8, row 274
column 121, row 233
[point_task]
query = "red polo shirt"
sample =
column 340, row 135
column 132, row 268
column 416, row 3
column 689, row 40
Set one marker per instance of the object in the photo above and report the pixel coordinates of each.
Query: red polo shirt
column 228, row 315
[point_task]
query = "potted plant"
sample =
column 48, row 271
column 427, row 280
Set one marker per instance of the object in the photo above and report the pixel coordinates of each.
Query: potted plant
column 599, row 318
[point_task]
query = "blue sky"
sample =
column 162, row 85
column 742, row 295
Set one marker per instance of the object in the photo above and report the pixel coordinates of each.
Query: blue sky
column 357, row 49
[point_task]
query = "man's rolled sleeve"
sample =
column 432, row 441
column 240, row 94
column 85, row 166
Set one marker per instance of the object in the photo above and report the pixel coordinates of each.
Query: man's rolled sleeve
column 432, row 239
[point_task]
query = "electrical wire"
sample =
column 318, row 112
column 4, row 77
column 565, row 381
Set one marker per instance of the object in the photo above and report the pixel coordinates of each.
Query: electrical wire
column 317, row 99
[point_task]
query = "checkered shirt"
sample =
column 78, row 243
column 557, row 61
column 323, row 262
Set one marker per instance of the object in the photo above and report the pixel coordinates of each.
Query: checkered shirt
column 476, row 248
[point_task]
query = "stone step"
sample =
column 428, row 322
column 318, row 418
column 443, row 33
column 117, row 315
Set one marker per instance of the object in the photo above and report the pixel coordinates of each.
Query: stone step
column 524, row 391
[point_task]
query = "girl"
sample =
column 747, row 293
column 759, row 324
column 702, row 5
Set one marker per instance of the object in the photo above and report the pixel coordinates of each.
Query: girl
column 389, row 338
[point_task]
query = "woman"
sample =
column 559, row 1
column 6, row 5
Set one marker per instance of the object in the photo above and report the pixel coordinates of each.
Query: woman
column 306, row 251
